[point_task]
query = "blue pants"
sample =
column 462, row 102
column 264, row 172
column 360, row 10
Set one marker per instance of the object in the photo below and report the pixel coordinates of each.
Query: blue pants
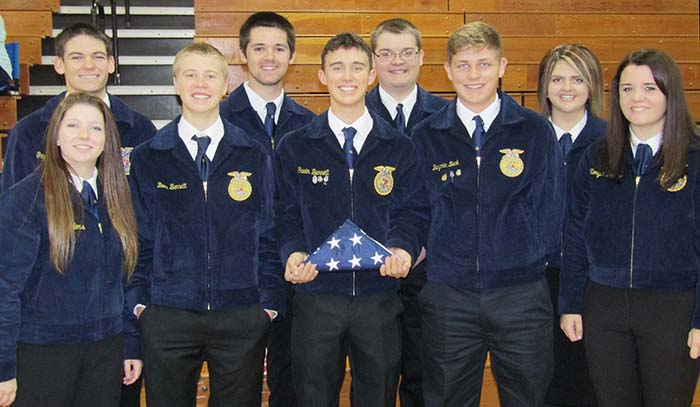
column 460, row 326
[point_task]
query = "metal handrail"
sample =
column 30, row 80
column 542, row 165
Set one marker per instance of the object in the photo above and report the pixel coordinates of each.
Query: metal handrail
column 97, row 9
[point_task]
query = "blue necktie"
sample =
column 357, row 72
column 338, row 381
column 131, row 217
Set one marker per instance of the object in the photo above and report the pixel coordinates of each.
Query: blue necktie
column 270, row 119
column 350, row 154
column 478, row 136
column 642, row 159
column 400, row 120
column 201, row 159
column 89, row 199
column 565, row 142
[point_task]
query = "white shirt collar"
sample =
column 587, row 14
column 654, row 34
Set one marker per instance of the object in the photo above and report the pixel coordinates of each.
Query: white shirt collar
column 488, row 115
column 654, row 142
column 259, row 104
column 186, row 130
column 575, row 131
column 390, row 103
column 105, row 99
column 363, row 125
column 78, row 182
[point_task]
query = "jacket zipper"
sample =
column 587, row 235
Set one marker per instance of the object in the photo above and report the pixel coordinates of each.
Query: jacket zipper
column 634, row 215
column 206, row 196
column 352, row 216
column 478, row 196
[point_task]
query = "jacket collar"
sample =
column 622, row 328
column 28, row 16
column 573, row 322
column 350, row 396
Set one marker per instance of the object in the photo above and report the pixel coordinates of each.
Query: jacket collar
column 121, row 112
column 318, row 128
column 511, row 113
column 167, row 138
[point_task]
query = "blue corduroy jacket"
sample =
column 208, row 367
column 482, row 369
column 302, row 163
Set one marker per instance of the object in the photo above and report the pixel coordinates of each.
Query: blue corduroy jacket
column 39, row 305
column 489, row 229
column 204, row 251
column 315, row 196
column 628, row 235
column 25, row 143
column 236, row 109
column 592, row 131
column 426, row 105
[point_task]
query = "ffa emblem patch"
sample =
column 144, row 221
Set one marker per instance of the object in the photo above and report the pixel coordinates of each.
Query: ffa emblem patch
column 126, row 159
column 384, row 180
column 679, row 184
column 511, row 164
column 239, row 189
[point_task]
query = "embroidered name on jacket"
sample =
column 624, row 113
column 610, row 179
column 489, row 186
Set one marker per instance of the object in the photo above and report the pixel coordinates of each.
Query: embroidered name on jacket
column 171, row 186
column 239, row 189
column 317, row 176
column 442, row 166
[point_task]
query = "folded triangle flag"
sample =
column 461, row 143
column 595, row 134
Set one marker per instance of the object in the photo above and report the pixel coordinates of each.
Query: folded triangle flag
column 349, row 249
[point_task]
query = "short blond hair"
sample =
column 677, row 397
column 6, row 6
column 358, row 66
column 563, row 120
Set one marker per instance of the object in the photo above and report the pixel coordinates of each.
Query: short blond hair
column 474, row 35
column 203, row 49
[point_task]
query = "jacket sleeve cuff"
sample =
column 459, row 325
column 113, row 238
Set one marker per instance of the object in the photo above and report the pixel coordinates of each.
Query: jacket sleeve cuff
column 288, row 248
column 8, row 369
column 132, row 347
column 275, row 300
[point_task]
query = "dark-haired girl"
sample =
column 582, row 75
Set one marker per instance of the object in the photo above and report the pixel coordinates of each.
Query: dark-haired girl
column 629, row 283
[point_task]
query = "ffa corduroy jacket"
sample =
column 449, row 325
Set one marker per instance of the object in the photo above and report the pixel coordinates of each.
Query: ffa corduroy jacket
column 491, row 226
column 38, row 305
column 426, row 105
column 25, row 143
column 238, row 111
column 315, row 196
column 204, row 250
column 630, row 234
column 592, row 131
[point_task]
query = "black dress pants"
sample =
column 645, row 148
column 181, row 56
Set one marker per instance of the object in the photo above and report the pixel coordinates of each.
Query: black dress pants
column 175, row 343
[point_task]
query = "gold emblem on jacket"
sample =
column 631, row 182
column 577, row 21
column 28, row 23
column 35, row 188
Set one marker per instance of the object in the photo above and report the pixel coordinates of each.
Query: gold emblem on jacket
column 679, row 184
column 239, row 189
column 511, row 164
column 384, row 180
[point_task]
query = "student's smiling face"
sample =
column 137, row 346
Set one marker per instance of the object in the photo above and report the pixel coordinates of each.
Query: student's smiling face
column 85, row 65
column 348, row 74
column 81, row 137
column 475, row 73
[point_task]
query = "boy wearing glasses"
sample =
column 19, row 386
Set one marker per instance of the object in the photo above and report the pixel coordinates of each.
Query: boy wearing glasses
column 398, row 55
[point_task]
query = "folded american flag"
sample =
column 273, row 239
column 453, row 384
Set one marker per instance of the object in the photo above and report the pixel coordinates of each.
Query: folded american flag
column 349, row 249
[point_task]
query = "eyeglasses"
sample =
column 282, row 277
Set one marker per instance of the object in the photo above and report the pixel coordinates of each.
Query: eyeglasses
column 406, row 54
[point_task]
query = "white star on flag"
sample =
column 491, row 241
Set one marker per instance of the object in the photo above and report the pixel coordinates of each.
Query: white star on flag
column 355, row 261
column 335, row 243
column 332, row 265
column 356, row 239
column 349, row 248
column 378, row 258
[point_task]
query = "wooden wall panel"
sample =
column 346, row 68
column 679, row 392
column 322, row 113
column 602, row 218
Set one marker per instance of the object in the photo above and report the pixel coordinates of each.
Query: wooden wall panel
column 29, row 49
column 309, row 49
column 227, row 24
column 566, row 6
column 53, row 5
column 29, row 23
column 523, row 77
column 315, row 5
column 529, row 50
column 606, row 25
column 8, row 112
